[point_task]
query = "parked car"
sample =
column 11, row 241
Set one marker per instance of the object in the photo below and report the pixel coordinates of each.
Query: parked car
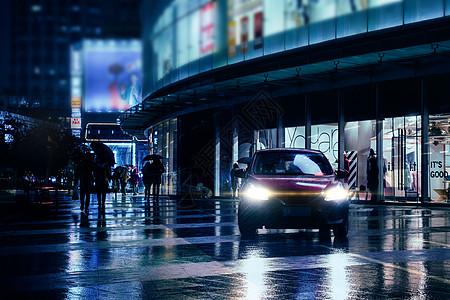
column 292, row 188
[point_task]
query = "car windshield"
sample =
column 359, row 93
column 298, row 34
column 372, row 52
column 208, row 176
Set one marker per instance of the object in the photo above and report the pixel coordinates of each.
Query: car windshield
column 291, row 163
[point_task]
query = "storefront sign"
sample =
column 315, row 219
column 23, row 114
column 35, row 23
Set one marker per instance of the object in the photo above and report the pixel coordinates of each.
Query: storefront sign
column 231, row 38
column 75, row 123
column 244, row 34
column 258, row 28
column 207, row 27
column 76, row 112
column 76, row 102
column 76, row 133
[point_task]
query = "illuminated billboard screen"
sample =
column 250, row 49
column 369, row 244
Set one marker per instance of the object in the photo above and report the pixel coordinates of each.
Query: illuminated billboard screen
column 112, row 75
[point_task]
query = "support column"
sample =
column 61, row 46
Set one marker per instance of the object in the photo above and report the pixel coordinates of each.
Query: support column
column 280, row 132
column 379, row 143
column 177, row 158
column 307, row 122
column 341, row 127
column 235, row 141
column 217, row 158
column 425, row 144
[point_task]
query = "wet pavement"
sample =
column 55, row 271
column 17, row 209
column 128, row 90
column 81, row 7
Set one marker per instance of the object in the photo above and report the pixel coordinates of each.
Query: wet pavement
column 194, row 251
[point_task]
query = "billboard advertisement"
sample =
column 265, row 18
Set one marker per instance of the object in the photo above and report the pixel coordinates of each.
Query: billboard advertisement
column 245, row 25
column 112, row 75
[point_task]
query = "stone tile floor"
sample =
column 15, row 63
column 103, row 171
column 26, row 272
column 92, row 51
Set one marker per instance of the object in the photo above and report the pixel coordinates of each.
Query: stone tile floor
column 194, row 251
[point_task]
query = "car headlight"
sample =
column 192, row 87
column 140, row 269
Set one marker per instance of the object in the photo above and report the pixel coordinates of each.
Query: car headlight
column 337, row 193
column 257, row 193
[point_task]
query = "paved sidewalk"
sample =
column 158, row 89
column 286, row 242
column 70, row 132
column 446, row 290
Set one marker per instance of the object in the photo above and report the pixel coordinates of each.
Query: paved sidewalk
column 166, row 251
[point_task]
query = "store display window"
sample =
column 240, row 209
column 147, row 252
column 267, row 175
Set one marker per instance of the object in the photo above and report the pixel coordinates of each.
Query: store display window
column 402, row 158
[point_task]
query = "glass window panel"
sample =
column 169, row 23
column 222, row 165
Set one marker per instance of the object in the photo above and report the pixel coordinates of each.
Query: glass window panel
column 220, row 40
column 352, row 24
column 182, row 8
column 321, row 10
column 385, row 14
column 419, row 10
column 194, row 43
column 183, row 38
column 359, row 137
column 439, row 160
column 273, row 43
column 447, row 7
column 273, row 17
column 274, row 26
column 294, row 137
column 206, row 63
column 402, row 158
column 244, row 29
column 296, row 23
column 266, row 138
column 322, row 31
column 296, row 37
column 324, row 137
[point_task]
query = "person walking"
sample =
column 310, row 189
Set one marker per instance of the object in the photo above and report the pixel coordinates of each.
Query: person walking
column 83, row 173
column 372, row 175
column 102, row 175
column 26, row 184
column 123, row 179
column 134, row 180
column 157, row 169
column 234, row 181
column 346, row 166
column 147, row 180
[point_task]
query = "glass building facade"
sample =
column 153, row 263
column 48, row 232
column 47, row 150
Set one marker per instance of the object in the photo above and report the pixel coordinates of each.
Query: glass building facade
column 193, row 36
column 339, row 76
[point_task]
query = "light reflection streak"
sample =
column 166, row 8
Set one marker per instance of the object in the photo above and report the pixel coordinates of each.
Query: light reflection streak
column 338, row 276
column 253, row 270
column 417, row 281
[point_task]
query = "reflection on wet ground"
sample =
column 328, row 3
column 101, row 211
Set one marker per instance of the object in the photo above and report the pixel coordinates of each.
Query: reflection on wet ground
column 141, row 250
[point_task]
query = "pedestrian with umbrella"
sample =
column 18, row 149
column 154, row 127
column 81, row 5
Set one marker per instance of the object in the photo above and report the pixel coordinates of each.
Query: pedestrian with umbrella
column 104, row 160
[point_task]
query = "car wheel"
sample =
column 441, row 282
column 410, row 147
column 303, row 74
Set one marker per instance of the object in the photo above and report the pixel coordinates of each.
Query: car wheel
column 324, row 233
column 247, row 223
column 341, row 231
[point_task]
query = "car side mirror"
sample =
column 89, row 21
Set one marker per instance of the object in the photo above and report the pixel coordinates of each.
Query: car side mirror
column 342, row 174
column 240, row 173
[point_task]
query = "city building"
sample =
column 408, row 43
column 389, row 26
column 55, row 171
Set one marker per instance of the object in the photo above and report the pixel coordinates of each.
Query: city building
column 41, row 34
column 45, row 37
column 223, row 79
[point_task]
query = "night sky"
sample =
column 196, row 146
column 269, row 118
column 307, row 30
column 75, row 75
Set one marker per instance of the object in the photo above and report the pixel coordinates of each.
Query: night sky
column 4, row 49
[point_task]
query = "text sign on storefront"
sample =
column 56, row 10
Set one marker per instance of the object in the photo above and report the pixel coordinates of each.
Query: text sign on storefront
column 76, row 102
column 75, row 123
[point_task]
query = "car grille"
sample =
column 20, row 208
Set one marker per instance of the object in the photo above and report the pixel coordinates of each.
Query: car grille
column 297, row 198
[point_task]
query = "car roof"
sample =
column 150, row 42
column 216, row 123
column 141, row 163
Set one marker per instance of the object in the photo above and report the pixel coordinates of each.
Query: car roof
column 290, row 150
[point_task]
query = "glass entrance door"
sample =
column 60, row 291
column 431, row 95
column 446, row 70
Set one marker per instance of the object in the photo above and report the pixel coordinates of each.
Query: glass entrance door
column 401, row 156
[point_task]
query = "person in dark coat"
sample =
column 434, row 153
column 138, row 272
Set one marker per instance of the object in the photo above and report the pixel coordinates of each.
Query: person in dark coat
column 26, row 184
column 234, row 181
column 134, row 180
column 102, row 174
column 157, row 169
column 147, row 180
column 346, row 166
column 372, row 175
column 120, row 178
column 83, row 173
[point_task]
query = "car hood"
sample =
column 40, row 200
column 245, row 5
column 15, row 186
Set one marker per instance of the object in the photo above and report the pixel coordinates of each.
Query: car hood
column 297, row 189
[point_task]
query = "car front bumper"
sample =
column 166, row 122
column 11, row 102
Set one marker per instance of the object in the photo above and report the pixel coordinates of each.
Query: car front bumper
column 276, row 215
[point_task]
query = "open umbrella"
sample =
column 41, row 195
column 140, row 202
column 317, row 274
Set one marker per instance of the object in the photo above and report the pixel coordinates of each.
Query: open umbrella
column 104, row 153
column 152, row 156
column 245, row 160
